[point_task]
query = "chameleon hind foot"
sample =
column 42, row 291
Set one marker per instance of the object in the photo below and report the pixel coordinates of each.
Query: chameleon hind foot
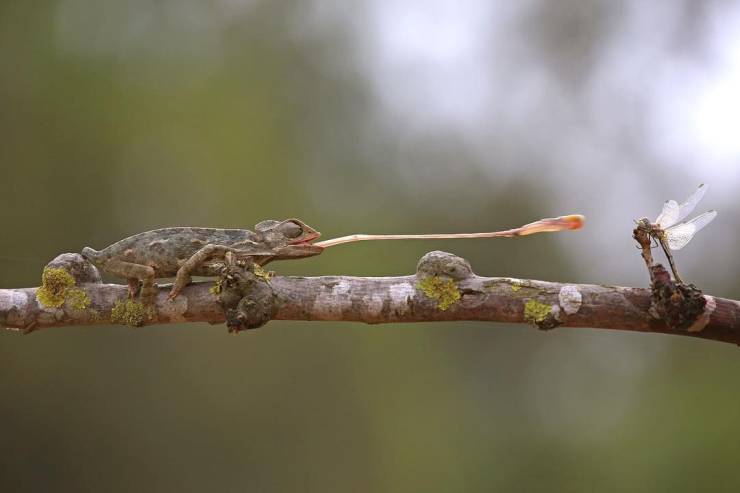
column 208, row 252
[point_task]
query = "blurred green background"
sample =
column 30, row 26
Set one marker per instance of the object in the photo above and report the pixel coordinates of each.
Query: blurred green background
column 372, row 117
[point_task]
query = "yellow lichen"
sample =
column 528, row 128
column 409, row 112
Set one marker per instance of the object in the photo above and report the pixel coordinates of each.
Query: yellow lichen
column 130, row 312
column 443, row 290
column 264, row 274
column 58, row 286
column 536, row 312
column 217, row 287
column 78, row 299
column 515, row 286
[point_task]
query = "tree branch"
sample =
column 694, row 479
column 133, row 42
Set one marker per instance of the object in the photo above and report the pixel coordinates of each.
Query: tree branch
column 444, row 288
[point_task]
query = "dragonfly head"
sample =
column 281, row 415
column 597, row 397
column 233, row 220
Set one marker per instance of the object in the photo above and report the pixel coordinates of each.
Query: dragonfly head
column 643, row 223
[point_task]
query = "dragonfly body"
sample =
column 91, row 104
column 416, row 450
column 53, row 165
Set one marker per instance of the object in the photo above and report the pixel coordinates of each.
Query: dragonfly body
column 669, row 230
column 659, row 234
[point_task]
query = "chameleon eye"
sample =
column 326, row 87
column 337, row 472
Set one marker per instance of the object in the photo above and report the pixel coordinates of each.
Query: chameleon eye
column 291, row 229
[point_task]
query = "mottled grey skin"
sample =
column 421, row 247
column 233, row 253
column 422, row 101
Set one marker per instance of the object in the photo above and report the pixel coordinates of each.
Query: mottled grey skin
column 185, row 251
column 167, row 249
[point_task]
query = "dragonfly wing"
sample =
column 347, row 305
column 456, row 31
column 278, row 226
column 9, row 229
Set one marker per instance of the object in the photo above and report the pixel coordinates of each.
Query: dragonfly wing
column 680, row 235
column 669, row 216
column 685, row 209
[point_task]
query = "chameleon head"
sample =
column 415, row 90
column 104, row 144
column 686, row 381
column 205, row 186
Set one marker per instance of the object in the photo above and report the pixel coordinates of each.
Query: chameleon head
column 295, row 239
column 288, row 232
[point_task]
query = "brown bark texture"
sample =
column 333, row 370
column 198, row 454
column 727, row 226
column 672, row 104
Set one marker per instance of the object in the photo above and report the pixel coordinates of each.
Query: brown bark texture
column 444, row 288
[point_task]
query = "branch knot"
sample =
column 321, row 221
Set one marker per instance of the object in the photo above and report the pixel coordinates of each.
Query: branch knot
column 439, row 263
column 247, row 298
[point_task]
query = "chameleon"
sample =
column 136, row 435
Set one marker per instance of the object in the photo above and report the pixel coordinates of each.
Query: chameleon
column 184, row 251
column 181, row 252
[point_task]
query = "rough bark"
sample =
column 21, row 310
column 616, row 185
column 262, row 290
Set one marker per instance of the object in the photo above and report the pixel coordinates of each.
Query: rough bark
column 444, row 288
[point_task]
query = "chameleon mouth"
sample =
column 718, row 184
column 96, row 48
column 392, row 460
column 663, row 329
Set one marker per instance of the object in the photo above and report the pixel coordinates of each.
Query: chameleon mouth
column 307, row 239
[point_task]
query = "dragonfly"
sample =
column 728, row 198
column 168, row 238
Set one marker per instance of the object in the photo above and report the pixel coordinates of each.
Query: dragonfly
column 670, row 230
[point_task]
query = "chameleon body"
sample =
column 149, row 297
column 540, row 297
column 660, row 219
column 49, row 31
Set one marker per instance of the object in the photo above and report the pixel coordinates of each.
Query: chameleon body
column 184, row 251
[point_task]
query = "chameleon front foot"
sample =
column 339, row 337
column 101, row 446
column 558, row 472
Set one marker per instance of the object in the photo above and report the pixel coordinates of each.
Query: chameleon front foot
column 181, row 281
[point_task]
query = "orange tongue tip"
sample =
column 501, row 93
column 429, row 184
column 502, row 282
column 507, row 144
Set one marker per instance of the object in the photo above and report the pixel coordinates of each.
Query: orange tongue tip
column 552, row 224
column 575, row 221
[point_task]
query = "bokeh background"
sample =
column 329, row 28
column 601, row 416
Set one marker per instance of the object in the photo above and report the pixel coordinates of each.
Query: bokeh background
column 377, row 117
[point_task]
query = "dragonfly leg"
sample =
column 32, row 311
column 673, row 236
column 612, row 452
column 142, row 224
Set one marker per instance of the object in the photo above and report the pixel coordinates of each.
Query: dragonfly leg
column 670, row 261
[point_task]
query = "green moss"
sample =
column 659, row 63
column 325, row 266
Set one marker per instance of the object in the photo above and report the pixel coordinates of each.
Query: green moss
column 130, row 313
column 58, row 286
column 536, row 312
column 444, row 291
column 515, row 286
